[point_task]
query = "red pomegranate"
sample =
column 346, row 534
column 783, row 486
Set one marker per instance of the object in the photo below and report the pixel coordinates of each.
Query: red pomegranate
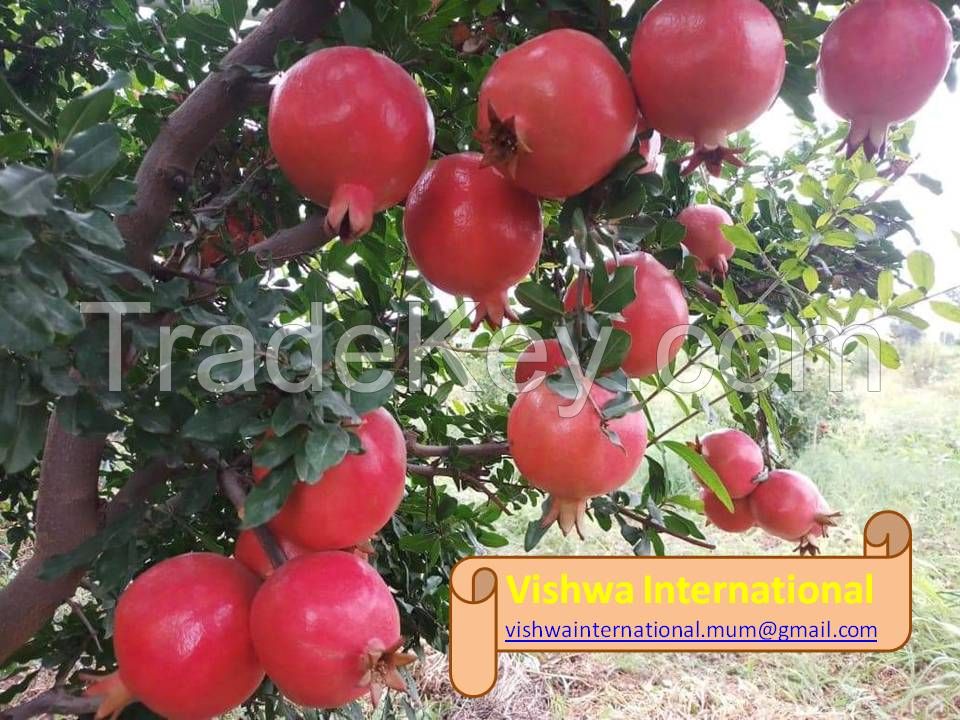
column 538, row 360
column 735, row 457
column 353, row 499
column 704, row 69
column 556, row 113
column 182, row 640
column 352, row 131
column 571, row 457
column 249, row 550
column 738, row 521
column 649, row 149
column 880, row 62
column 658, row 308
column 789, row 506
column 327, row 630
column 472, row 232
column 705, row 240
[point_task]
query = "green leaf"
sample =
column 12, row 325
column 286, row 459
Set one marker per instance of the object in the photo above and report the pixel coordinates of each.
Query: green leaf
column 233, row 12
column 773, row 424
column 811, row 278
column 492, row 539
column 90, row 152
column 30, row 432
column 616, row 349
column 862, row 222
column 620, row 291
column 886, row 353
column 741, row 238
column 354, row 25
column 96, row 227
column 14, row 239
column 15, row 145
column 534, row 534
column 921, row 267
column 701, row 468
column 908, row 298
column 839, row 238
column 26, row 191
column 267, row 497
column 326, row 446
column 10, row 101
column 364, row 402
column 202, row 28
column 116, row 195
column 90, row 108
column 274, row 451
column 749, row 206
column 9, row 410
column 948, row 311
column 540, row 299
column 884, row 287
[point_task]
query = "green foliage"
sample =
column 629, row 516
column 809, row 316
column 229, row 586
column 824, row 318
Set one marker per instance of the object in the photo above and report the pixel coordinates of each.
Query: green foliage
column 85, row 88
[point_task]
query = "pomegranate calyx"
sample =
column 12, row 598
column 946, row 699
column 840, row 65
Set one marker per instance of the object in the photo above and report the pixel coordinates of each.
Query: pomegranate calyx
column 383, row 670
column 567, row 513
column 807, row 547
column 761, row 477
column 113, row 693
column 502, row 143
column 872, row 138
column 827, row 520
column 492, row 310
column 351, row 212
column 713, row 159
column 696, row 445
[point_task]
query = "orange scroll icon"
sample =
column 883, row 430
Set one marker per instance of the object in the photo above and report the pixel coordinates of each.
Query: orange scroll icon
column 691, row 604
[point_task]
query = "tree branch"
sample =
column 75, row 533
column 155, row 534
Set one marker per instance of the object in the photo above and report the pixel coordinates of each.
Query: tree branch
column 232, row 486
column 169, row 164
column 55, row 701
column 479, row 450
column 293, row 242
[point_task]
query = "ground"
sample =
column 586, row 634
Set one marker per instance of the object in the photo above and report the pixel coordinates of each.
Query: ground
column 900, row 451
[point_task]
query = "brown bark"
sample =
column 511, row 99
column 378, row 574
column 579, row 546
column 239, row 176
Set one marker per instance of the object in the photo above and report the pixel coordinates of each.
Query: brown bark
column 67, row 512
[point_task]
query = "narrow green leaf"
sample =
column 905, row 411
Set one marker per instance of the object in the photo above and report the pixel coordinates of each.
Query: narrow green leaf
column 884, row 287
column 616, row 349
column 96, row 227
column 772, row 423
column 885, row 352
column 326, row 446
column 946, row 310
column 26, row 191
column 619, row 293
column 921, row 267
column 90, row 108
column 701, row 468
column 811, row 278
column 90, row 152
column 267, row 497
column 741, row 238
column 540, row 299
column 354, row 25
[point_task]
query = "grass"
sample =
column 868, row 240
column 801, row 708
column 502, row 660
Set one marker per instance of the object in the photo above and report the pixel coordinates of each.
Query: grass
column 900, row 453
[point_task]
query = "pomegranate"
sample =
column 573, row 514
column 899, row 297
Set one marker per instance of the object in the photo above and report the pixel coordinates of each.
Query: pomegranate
column 705, row 240
column 353, row 499
column 735, row 457
column 572, row 458
column 704, row 69
column 249, row 550
column 659, row 306
column 352, row 131
column 880, row 62
column 182, row 640
column 538, row 360
column 556, row 113
column 327, row 630
column 472, row 232
column 789, row 506
column 649, row 149
column 738, row 521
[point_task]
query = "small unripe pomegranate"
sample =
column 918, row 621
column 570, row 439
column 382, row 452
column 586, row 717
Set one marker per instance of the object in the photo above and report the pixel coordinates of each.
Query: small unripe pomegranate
column 789, row 506
column 352, row 131
column 880, row 62
column 735, row 458
column 327, row 630
column 738, row 521
column 572, row 458
column 182, row 640
column 472, row 232
column 658, row 308
column 539, row 359
column 249, row 550
column 705, row 239
column 353, row 499
column 556, row 113
column 704, row 69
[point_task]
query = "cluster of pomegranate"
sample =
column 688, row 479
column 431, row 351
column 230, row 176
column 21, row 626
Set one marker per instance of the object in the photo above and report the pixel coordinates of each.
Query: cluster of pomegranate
column 783, row 503
column 195, row 635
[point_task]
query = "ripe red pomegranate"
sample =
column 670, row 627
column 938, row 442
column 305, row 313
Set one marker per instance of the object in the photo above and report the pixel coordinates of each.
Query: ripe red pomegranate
column 353, row 499
column 182, row 640
column 880, row 62
column 472, row 232
column 659, row 306
column 705, row 240
column 556, row 113
column 352, row 131
column 704, row 69
column 327, row 630
column 249, row 550
column 789, row 506
column 538, row 360
column 649, row 149
column 738, row 521
column 735, row 457
column 570, row 457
